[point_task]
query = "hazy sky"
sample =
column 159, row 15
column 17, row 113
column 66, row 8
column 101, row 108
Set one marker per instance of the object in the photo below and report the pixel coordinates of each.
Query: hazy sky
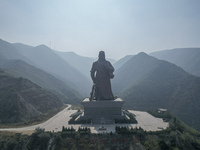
column 119, row 27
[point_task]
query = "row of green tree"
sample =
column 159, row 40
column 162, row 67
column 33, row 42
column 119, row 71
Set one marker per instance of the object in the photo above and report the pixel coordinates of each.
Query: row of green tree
column 71, row 130
column 177, row 136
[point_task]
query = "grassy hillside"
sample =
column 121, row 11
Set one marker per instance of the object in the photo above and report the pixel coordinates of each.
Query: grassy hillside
column 19, row 68
column 23, row 101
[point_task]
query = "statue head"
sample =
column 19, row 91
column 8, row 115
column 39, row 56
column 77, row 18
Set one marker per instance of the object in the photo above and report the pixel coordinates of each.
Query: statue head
column 101, row 55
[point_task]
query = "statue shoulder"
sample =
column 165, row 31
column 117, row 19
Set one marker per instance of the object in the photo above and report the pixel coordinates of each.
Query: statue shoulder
column 94, row 64
column 107, row 62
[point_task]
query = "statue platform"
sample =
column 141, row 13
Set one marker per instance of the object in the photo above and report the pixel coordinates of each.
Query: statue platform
column 104, row 111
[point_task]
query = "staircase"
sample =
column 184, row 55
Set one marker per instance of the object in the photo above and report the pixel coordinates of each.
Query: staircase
column 102, row 120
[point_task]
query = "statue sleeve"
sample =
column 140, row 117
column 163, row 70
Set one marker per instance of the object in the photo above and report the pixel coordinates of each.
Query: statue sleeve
column 92, row 72
column 110, row 70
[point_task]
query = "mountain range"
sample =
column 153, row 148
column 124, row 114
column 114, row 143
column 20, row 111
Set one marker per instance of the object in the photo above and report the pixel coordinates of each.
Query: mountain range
column 83, row 64
column 46, row 59
column 144, row 81
column 19, row 68
column 122, row 61
column 186, row 58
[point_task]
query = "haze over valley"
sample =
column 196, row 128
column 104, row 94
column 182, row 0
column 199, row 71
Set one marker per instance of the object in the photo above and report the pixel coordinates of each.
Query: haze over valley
column 47, row 49
column 144, row 81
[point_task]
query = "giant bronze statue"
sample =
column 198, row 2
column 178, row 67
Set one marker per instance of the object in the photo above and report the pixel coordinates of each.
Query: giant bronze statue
column 101, row 73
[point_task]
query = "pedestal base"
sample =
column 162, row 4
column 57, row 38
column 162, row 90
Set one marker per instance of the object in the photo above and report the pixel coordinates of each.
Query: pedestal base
column 102, row 112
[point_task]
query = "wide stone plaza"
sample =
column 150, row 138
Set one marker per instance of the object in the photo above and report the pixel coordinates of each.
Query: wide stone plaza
column 55, row 124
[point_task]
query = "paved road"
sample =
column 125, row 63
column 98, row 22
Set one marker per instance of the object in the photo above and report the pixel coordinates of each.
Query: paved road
column 53, row 124
column 145, row 121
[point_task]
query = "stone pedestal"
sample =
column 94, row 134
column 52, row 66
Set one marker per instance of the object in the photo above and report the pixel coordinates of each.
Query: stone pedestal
column 103, row 112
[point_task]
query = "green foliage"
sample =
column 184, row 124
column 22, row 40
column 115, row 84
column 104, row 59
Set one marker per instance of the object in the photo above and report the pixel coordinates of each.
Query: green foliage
column 38, row 141
column 177, row 136
column 84, row 130
column 152, row 143
column 165, row 115
column 12, row 141
column 95, row 141
column 68, row 129
column 39, row 130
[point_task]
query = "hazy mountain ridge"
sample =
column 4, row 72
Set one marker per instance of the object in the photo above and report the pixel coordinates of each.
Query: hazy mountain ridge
column 150, row 83
column 83, row 64
column 43, row 79
column 9, row 52
column 187, row 58
column 144, row 82
column 132, row 70
column 46, row 59
column 122, row 61
column 22, row 100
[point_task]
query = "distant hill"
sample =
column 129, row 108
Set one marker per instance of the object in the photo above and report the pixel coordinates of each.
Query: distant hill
column 186, row 58
column 8, row 51
column 83, row 64
column 80, row 63
column 122, row 61
column 145, row 83
column 47, row 60
column 112, row 61
column 22, row 101
column 20, row 68
column 134, row 70
column 23, row 47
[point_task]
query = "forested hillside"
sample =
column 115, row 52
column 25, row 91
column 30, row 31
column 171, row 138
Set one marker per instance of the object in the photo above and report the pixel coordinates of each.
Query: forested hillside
column 22, row 101
column 145, row 83
column 20, row 68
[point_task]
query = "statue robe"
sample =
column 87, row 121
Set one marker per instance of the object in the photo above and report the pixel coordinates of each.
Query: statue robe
column 101, row 73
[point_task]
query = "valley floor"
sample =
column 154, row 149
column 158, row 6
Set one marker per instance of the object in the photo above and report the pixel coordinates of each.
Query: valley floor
column 145, row 121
